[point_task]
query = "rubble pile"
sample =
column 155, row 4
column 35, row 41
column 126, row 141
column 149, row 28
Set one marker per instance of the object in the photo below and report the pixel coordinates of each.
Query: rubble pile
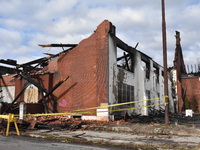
column 62, row 122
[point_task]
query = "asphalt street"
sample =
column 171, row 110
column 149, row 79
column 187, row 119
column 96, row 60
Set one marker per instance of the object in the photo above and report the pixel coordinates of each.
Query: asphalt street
column 27, row 143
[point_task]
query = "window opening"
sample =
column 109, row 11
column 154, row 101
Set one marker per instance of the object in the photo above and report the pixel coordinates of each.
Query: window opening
column 125, row 93
column 146, row 66
column 156, row 71
column 124, row 60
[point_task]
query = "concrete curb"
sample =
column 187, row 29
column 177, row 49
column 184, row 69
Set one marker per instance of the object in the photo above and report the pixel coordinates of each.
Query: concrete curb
column 151, row 129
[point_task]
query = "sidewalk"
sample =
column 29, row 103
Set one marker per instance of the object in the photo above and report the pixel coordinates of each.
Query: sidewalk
column 155, row 135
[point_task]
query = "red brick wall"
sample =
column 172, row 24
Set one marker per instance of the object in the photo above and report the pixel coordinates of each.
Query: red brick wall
column 87, row 66
column 192, row 87
column 7, row 80
column 52, row 66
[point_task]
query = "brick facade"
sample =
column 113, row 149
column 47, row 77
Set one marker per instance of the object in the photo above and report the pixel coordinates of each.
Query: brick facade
column 192, row 92
column 87, row 68
column 7, row 80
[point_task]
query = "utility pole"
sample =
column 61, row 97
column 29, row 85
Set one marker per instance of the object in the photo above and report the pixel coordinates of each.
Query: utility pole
column 164, row 39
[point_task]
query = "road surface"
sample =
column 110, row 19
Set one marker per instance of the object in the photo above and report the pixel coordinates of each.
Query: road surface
column 27, row 143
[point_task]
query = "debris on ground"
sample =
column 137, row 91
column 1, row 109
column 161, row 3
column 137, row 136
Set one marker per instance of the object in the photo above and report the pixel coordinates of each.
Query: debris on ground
column 136, row 130
column 64, row 122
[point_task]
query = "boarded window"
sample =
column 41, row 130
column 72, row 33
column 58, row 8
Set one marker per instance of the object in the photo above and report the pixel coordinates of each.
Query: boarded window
column 31, row 94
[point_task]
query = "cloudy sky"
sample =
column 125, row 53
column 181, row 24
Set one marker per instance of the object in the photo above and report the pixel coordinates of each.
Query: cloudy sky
column 24, row 24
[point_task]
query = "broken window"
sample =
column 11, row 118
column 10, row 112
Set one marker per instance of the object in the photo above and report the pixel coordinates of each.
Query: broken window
column 125, row 55
column 125, row 60
column 146, row 66
column 120, row 60
column 163, row 73
column 125, row 93
column 156, row 71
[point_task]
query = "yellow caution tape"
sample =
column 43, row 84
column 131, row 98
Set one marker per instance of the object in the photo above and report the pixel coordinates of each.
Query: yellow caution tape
column 99, row 111
column 49, row 114
column 127, row 108
column 119, row 104
column 106, row 106
column 137, row 107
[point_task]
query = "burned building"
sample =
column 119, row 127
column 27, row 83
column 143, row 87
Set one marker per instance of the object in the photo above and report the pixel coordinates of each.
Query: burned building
column 92, row 78
column 186, row 83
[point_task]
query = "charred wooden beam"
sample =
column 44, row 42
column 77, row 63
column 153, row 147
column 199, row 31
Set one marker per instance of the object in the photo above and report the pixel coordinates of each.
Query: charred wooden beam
column 53, row 89
column 4, row 69
column 136, row 45
column 126, row 59
column 145, row 58
column 123, row 45
column 44, row 102
column 119, row 58
column 33, row 62
column 47, row 94
column 44, row 61
column 49, row 54
column 58, row 45
column 9, row 62
column 28, row 78
column 42, row 89
column 16, row 98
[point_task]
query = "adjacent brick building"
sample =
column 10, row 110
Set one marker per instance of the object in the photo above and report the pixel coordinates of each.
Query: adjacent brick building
column 186, row 84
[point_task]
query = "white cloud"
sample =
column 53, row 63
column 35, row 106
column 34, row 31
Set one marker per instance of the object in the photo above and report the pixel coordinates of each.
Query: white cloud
column 14, row 24
column 25, row 24
column 10, row 39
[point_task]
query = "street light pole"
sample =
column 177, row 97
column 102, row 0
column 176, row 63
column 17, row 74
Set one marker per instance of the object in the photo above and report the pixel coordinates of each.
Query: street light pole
column 164, row 39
